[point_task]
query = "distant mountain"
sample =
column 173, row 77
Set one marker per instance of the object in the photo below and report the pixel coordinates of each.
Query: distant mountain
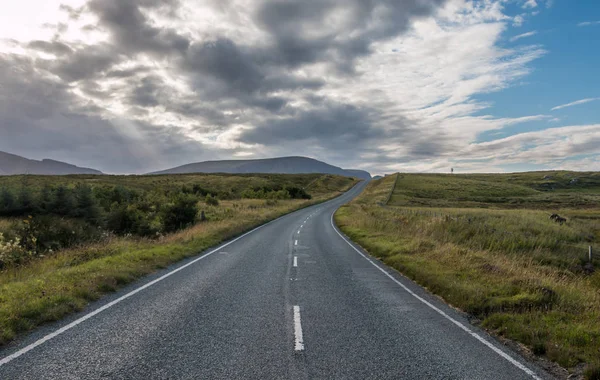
column 11, row 164
column 285, row 165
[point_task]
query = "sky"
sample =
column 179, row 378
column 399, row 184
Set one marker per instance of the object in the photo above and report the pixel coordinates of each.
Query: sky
column 381, row 85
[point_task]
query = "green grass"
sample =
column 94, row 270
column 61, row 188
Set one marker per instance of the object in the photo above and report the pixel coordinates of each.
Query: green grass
column 522, row 275
column 515, row 190
column 49, row 288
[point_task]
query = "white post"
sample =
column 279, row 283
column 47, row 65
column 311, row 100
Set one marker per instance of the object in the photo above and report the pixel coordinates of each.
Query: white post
column 590, row 254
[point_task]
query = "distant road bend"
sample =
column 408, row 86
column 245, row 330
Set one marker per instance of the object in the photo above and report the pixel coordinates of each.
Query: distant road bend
column 292, row 299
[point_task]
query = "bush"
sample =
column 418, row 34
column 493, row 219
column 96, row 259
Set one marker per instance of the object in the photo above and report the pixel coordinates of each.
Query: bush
column 298, row 193
column 11, row 252
column 180, row 214
column 45, row 233
column 198, row 190
column 85, row 205
column 44, row 202
column 211, row 201
column 63, row 202
column 25, row 203
column 124, row 219
column 8, row 205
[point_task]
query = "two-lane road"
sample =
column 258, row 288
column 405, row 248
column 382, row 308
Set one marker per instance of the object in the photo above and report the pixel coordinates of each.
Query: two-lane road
column 290, row 300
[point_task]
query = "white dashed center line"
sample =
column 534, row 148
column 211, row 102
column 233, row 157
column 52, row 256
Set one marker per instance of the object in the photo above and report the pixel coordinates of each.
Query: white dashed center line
column 296, row 242
column 295, row 262
column 299, row 341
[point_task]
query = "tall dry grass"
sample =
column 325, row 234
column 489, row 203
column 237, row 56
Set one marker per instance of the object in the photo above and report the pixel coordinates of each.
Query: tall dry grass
column 519, row 272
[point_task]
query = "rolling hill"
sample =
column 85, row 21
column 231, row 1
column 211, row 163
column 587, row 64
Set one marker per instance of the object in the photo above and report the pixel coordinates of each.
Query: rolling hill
column 280, row 165
column 11, row 164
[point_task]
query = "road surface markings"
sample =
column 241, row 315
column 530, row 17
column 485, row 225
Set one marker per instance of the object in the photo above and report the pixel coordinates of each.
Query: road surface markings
column 299, row 341
column 457, row 323
column 76, row 322
column 295, row 261
column 295, row 242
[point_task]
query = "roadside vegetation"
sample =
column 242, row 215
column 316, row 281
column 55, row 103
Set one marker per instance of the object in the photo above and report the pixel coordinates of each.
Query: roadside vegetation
column 487, row 245
column 67, row 240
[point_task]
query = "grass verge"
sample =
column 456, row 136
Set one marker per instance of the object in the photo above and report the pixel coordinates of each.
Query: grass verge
column 518, row 272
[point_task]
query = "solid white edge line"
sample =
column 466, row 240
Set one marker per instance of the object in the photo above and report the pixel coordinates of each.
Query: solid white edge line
column 295, row 261
column 298, row 340
column 457, row 323
column 76, row 322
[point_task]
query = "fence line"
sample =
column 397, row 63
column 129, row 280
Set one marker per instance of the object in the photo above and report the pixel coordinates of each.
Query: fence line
column 392, row 190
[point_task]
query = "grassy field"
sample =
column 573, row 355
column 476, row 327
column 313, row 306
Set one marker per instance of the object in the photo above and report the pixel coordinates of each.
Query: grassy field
column 226, row 184
column 57, row 283
column 533, row 190
column 486, row 244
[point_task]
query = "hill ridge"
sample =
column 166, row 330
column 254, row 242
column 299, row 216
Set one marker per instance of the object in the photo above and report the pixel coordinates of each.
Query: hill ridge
column 280, row 165
column 12, row 164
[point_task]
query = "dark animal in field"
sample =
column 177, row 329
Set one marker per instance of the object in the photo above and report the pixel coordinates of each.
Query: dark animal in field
column 558, row 219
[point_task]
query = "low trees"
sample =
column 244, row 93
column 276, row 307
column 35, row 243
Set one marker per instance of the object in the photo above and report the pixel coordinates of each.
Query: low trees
column 56, row 216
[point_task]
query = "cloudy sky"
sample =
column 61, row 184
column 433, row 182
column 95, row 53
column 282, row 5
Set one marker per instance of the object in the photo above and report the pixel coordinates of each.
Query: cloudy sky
column 131, row 86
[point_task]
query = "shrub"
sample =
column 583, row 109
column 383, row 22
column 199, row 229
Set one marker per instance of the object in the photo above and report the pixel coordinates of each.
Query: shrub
column 124, row 219
column 8, row 205
column 180, row 214
column 85, row 204
column 63, row 201
column 198, row 190
column 211, row 201
column 44, row 201
column 298, row 193
column 41, row 234
column 11, row 252
column 25, row 203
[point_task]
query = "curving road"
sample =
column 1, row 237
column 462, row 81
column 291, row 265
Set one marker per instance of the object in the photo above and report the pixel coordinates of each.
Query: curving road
column 290, row 300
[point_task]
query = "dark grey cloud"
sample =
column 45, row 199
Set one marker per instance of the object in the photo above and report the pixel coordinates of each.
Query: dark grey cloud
column 128, row 73
column 148, row 92
column 43, row 119
column 222, row 60
column 429, row 147
column 332, row 125
column 267, row 84
column 82, row 63
column 291, row 22
column 53, row 47
column 130, row 29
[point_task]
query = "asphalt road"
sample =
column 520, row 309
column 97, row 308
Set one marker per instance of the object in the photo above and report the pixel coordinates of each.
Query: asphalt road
column 290, row 300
